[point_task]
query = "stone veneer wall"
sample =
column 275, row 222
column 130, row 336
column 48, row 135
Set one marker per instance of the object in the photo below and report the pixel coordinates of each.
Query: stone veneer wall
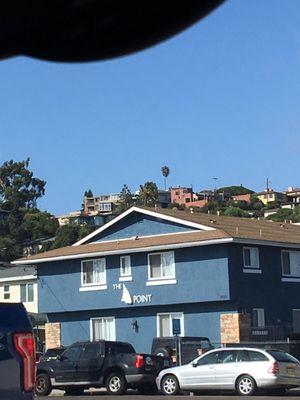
column 53, row 335
column 235, row 328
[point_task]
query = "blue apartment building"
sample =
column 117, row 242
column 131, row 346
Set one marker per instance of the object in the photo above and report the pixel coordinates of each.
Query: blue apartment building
column 230, row 279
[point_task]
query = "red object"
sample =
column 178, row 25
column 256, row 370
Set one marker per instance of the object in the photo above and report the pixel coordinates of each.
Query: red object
column 274, row 368
column 139, row 361
column 24, row 345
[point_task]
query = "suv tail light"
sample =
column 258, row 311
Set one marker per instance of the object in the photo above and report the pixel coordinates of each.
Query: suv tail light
column 139, row 361
column 274, row 368
column 24, row 345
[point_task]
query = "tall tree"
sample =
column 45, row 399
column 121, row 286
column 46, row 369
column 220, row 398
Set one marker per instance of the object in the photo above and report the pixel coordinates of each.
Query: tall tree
column 18, row 187
column 88, row 193
column 148, row 194
column 165, row 172
column 126, row 199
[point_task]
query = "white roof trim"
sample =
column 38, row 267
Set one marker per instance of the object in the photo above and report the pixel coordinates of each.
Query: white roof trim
column 19, row 278
column 156, row 214
column 125, row 251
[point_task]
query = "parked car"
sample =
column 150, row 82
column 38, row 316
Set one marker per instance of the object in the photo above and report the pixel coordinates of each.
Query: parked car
column 114, row 365
column 241, row 369
column 52, row 354
column 180, row 349
column 17, row 353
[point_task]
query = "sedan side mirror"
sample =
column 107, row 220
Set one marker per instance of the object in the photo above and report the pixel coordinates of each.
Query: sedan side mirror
column 194, row 364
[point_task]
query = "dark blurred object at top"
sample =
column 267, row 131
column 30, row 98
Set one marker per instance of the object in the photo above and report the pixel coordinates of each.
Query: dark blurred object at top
column 86, row 30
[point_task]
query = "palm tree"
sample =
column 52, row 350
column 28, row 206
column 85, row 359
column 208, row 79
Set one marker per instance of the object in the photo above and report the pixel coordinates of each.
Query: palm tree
column 165, row 171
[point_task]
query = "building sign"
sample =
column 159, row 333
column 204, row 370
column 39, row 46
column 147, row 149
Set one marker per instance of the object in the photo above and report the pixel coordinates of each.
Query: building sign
column 176, row 326
column 134, row 299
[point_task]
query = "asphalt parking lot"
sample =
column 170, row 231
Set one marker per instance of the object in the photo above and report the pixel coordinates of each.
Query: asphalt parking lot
column 132, row 395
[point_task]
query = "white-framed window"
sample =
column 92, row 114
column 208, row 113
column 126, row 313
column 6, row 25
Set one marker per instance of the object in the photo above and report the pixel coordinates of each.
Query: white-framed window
column 251, row 257
column 6, row 292
column 93, row 272
column 26, row 292
column 296, row 320
column 258, row 317
column 103, row 328
column 125, row 268
column 105, row 207
column 161, row 266
column 169, row 323
column 290, row 263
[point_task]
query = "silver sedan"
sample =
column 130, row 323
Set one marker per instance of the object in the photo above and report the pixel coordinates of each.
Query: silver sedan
column 241, row 369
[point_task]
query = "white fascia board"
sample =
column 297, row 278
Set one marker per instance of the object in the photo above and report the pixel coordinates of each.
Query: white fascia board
column 126, row 251
column 155, row 214
column 258, row 242
column 19, row 278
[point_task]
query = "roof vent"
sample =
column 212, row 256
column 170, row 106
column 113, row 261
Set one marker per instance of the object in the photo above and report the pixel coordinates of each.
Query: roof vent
column 282, row 225
column 212, row 221
column 191, row 210
column 135, row 238
column 218, row 213
column 236, row 230
column 260, row 232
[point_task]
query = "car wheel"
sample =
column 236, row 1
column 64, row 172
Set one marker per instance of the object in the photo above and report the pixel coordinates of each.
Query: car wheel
column 148, row 389
column 246, row 385
column 115, row 383
column 43, row 385
column 170, row 385
column 73, row 391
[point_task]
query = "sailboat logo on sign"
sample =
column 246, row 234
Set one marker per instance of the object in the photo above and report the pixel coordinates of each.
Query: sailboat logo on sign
column 135, row 299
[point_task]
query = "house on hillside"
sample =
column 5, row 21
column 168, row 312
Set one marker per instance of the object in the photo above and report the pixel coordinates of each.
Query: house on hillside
column 19, row 284
column 270, row 196
column 144, row 272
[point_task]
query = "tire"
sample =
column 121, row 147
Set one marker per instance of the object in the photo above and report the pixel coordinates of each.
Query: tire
column 246, row 385
column 116, row 383
column 148, row 389
column 73, row 391
column 169, row 385
column 43, row 385
column 163, row 352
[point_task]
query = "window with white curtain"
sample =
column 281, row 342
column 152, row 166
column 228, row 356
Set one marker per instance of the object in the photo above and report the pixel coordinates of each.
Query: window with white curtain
column 125, row 266
column 161, row 265
column 258, row 317
column 290, row 262
column 93, row 272
column 26, row 292
column 103, row 328
column 251, row 257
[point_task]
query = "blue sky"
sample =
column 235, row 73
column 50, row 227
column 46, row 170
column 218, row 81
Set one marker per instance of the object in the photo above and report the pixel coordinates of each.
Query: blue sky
column 219, row 100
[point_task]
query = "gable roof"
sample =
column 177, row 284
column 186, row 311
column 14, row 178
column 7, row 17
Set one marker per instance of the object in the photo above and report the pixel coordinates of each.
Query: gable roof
column 146, row 211
column 219, row 229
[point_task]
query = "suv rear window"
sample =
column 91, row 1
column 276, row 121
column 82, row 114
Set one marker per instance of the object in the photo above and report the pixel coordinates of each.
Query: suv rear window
column 283, row 357
column 120, row 348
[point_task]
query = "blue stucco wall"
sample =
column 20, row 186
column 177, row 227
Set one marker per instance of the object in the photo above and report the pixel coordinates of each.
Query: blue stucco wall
column 199, row 320
column 201, row 274
column 137, row 224
column 265, row 290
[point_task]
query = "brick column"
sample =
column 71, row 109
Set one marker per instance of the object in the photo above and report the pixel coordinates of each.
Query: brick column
column 53, row 335
column 235, row 327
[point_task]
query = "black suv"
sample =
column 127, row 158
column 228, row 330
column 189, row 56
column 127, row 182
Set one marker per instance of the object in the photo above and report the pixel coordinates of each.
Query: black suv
column 114, row 365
